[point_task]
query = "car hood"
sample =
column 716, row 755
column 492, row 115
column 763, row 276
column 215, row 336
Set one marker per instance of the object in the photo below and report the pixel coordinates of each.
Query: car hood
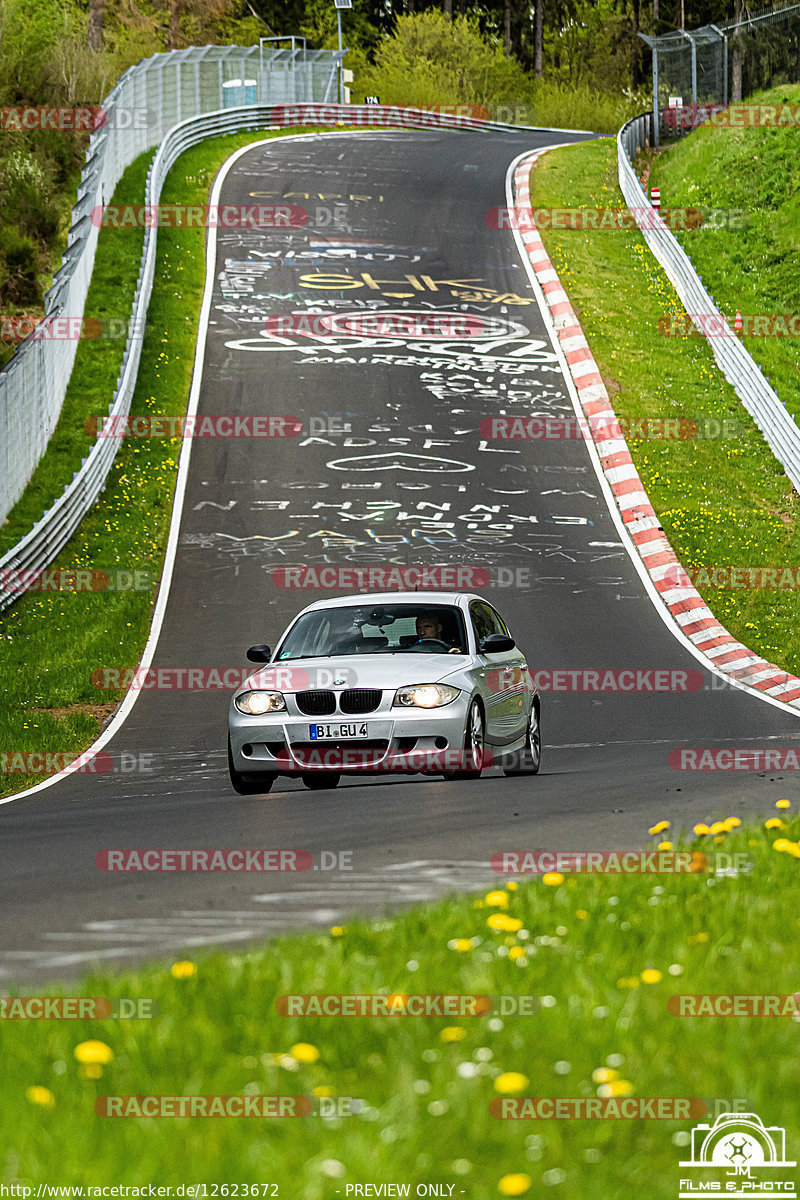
column 382, row 671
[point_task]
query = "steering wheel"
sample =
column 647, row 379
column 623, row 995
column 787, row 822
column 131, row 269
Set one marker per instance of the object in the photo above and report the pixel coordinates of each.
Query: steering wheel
column 424, row 644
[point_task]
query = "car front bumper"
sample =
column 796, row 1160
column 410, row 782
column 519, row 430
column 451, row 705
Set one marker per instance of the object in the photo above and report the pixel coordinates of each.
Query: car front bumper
column 397, row 740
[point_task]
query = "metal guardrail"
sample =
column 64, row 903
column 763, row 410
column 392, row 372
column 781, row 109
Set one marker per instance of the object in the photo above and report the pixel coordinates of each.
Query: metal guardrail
column 39, row 547
column 145, row 104
column 761, row 401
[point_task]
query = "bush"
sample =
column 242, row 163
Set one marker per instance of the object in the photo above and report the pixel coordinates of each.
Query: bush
column 19, row 284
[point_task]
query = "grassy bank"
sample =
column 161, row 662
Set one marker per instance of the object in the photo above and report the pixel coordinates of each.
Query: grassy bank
column 753, row 269
column 601, row 954
column 51, row 642
column 721, row 502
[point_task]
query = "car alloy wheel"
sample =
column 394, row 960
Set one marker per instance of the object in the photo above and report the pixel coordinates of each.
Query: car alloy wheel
column 474, row 752
column 528, row 760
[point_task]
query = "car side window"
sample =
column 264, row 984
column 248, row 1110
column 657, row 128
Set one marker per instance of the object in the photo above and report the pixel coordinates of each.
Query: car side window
column 482, row 623
column 497, row 621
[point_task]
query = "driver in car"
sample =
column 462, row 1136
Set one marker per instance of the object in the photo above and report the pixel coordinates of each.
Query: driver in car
column 430, row 627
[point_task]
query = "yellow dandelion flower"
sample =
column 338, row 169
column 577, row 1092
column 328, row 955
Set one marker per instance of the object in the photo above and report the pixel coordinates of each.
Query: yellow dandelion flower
column 774, row 823
column 453, row 1033
column 659, row 827
column 628, row 981
column 781, row 844
column 618, row 1087
column 783, row 804
column 512, row 885
column 462, row 945
column 497, row 899
column 510, row 1082
column 337, row 930
column 41, row 1096
column 581, row 914
column 604, row 1075
column 503, row 924
column 323, row 1090
column 651, row 975
column 514, row 1185
column 695, row 939
column 516, row 952
column 90, row 1070
column 701, row 829
column 93, row 1052
column 304, row 1052
column 718, row 827
column 733, row 823
column 183, row 970
column 665, row 845
column 552, row 878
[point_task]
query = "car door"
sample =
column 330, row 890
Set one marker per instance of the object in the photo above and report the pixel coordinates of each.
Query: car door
column 502, row 679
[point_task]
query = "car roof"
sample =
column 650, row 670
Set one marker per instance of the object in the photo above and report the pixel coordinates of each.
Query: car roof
column 426, row 597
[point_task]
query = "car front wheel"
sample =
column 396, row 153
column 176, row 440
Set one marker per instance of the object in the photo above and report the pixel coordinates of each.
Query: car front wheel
column 243, row 786
column 527, row 760
column 474, row 751
column 317, row 781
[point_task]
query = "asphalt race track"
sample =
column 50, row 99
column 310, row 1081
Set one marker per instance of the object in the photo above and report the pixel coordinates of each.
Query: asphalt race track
column 410, row 482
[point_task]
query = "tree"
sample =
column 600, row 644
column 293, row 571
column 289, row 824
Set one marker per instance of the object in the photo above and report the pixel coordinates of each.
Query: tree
column 95, row 35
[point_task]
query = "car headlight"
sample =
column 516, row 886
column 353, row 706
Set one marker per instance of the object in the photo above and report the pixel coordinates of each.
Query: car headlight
column 425, row 695
column 253, row 704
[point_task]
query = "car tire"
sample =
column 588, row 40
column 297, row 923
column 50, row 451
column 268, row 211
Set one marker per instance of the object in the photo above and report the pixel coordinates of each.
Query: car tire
column 527, row 760
column 244, row 786
column 318, row 781
column 474, row 749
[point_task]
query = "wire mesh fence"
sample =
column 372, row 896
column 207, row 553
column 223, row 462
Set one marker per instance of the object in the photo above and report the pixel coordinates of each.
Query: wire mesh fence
column 148, row 100
column 716, row 65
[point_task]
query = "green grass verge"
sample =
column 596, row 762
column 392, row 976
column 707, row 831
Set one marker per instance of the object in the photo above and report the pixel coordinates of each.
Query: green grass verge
column 50, row 643
column 721, row 502
column 602, row 954
column 753, row 269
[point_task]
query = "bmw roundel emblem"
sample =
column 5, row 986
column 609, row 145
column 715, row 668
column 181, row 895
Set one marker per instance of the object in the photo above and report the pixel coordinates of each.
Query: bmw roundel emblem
column 338, row 681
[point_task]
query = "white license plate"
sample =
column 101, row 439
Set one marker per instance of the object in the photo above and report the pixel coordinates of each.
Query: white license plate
column 332, row 733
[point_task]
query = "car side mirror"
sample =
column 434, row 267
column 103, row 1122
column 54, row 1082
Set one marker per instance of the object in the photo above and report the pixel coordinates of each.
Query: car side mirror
column 259, row 654
column 496, row 643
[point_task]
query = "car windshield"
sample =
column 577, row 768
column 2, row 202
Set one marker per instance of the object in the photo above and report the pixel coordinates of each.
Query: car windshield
column 376, row 629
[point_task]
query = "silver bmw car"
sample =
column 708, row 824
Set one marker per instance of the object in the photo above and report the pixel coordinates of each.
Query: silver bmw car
column 428, row 682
